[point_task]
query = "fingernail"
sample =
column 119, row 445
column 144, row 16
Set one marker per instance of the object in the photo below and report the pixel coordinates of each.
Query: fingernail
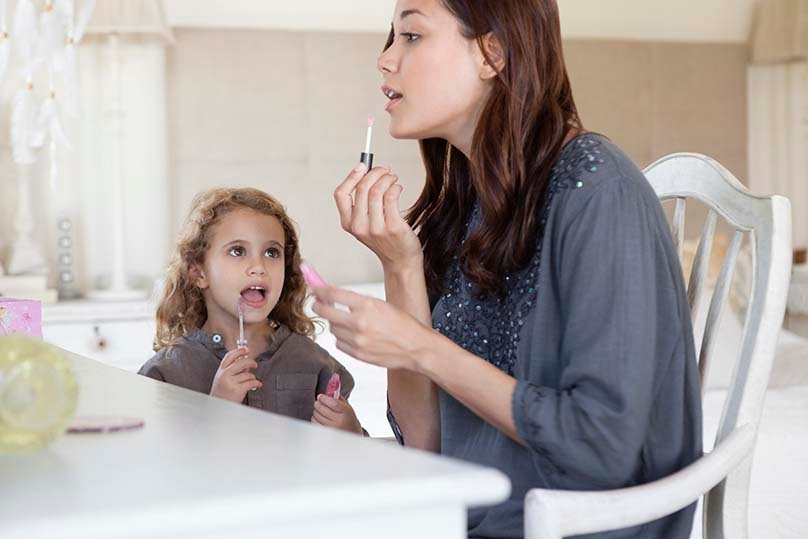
column 360, row 167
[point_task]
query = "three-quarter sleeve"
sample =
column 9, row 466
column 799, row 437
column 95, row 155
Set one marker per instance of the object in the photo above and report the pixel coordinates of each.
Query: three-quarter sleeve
column 614, row 287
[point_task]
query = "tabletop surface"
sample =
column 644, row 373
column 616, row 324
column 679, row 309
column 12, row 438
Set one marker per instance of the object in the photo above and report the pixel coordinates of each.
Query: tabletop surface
column 205, row 457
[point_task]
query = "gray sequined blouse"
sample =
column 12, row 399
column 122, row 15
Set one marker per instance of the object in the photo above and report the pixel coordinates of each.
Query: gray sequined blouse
column 597, row 332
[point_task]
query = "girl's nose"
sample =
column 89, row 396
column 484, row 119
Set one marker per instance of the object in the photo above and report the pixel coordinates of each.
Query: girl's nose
column 257, row 268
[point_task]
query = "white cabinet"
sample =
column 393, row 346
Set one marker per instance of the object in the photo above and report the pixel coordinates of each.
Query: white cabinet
column 116, row 333
column 121, row 333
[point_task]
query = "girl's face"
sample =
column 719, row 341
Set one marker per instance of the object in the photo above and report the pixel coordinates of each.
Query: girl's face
column 244, row 262
column 435, row 79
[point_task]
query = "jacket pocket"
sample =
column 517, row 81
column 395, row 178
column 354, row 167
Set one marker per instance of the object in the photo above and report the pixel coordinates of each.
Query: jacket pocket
column 295, row 395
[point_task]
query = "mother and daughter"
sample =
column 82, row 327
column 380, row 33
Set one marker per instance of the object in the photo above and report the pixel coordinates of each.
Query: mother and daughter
column 536, row 318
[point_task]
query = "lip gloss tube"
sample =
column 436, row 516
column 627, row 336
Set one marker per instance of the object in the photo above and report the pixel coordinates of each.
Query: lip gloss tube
column 366, row 157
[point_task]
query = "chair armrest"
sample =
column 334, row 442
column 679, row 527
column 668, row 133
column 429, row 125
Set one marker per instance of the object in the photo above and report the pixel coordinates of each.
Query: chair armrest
column 553, row 514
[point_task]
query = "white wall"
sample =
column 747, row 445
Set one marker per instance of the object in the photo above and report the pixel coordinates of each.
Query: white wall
column 654, row 20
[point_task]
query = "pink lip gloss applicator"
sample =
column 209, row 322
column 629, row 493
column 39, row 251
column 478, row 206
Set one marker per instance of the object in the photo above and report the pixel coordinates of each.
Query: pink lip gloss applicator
column 367, row 157
column 242, row 342
column 311, row 277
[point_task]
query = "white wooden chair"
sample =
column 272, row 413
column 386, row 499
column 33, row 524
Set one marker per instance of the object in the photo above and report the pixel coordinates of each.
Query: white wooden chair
column 722, row 475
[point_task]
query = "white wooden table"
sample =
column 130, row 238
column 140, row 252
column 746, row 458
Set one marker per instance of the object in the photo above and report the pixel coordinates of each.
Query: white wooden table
column 204, row 468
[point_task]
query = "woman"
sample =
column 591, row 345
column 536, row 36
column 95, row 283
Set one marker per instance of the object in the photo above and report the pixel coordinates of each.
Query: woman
column 563, row 353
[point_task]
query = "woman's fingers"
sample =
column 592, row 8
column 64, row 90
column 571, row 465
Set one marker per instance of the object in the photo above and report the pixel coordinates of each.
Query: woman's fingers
column 376, row 204
column 361, row 195
column 392, row 215
column 330, row 295
column 343, row 195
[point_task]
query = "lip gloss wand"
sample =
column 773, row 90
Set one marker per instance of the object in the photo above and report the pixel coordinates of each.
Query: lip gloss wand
column 242, row 342
column 367, row 157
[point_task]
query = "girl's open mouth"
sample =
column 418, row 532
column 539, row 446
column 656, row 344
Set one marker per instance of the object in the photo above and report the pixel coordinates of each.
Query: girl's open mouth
column 254, row 296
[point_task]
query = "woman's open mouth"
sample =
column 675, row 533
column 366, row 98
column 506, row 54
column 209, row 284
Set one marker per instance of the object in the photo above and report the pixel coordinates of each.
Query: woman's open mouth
column 393, row 97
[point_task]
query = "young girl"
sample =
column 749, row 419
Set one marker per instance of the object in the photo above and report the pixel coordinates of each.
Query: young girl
column 537, row 320
column 238, row 250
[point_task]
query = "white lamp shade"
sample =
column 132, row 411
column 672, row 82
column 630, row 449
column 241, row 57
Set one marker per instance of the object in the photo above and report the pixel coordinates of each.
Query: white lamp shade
column 137, row 18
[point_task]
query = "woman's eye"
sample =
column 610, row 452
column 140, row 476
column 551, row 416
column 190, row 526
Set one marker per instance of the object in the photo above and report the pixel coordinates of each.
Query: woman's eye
column 238, row 250
column 409, row 36
column 272, row 252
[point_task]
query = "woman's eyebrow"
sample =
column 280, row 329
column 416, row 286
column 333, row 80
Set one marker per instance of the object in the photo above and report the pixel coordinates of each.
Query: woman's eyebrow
column 407, row 12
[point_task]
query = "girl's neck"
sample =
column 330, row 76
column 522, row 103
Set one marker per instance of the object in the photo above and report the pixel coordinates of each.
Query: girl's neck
column 257, row 335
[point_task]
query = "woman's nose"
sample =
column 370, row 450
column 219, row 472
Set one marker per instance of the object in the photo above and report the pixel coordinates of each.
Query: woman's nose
column 386, row 62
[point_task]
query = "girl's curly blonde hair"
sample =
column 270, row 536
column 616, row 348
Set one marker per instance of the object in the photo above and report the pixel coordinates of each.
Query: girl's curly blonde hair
column 182, row 308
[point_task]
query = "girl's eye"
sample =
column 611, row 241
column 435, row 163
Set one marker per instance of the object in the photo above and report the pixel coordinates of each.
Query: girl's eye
column 236, row 250
column 409, row 36
column 272, row 252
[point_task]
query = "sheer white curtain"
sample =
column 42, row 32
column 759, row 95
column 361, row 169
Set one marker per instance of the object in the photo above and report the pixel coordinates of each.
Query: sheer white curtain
column 778, row 136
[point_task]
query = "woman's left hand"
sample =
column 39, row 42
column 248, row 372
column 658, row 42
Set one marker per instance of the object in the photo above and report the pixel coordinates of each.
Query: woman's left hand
column 373, row 330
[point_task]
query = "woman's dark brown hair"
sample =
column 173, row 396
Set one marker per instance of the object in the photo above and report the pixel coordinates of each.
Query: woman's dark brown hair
column 529, row 112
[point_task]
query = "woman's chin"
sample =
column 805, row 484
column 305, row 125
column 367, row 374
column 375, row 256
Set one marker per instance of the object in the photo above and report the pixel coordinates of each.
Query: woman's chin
column 404, row 132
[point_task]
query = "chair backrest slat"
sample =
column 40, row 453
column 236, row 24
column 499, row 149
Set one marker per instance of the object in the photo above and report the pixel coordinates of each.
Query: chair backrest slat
column 701, row 264
column 717, row 304
column 678, row 226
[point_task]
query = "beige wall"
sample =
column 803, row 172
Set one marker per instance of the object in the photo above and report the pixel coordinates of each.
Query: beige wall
column 658, row 98
column 285, row 112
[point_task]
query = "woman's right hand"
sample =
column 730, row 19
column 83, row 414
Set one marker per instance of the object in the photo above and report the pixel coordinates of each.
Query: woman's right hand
column 368, row 209
column 234, row 377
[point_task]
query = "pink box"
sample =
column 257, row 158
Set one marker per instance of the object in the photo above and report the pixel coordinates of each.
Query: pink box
column 22, row 316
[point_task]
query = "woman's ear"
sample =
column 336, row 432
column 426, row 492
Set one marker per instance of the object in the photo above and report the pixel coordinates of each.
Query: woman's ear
column 493, row 57
column 197, row 275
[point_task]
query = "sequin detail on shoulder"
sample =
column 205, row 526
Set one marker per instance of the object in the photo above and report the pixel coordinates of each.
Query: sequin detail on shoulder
column 490, row 327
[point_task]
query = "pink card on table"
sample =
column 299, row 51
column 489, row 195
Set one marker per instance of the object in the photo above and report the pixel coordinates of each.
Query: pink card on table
column 20, row 316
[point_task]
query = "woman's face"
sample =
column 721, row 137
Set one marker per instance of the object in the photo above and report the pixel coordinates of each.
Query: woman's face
column 436, row 80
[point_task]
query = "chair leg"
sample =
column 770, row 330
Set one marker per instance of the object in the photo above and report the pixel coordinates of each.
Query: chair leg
column 726, row 507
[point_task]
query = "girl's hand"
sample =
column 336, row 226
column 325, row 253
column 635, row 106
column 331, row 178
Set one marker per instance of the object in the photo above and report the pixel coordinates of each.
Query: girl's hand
column 373, row 330
column 233, row 379
column 368, row 209
column 338, row 414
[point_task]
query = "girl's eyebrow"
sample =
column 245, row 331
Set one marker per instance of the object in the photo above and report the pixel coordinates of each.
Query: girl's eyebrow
column 270, row 242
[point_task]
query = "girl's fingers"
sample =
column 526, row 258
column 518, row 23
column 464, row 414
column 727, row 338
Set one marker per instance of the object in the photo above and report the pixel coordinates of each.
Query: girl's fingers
column 321, row 419
column 242, row 364
column 252, row 384
column 325, row 411
column 231, row 356
column 243, row 377
column 328, row 402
